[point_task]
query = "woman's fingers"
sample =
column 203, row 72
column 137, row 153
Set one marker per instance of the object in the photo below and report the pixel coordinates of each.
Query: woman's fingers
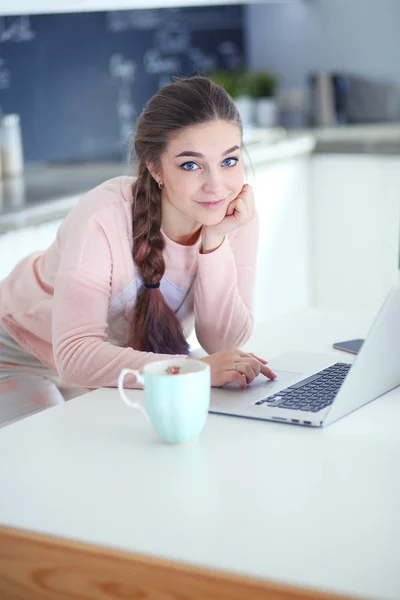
column 245, row 369
column 243, row 354
column 261, row 360
column 267, row 372
column 241, row 210
column 234, row 365
column 242, row 361
column 262, row 365
column 233, row 377
column 240, row 379
column 231, row 208
column 252, row 361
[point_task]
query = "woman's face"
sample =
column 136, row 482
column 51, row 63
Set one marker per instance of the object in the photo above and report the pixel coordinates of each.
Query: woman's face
column 202, row 172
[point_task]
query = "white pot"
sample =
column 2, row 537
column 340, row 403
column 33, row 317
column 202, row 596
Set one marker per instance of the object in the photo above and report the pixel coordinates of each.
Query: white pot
column 266, row 112
column 246, row 106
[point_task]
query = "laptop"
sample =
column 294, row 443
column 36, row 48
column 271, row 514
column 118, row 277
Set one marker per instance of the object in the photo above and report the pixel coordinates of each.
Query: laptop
column 312, row 389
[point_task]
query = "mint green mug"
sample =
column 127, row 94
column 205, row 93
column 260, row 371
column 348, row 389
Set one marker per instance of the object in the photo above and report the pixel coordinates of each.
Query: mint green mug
column 177, row 394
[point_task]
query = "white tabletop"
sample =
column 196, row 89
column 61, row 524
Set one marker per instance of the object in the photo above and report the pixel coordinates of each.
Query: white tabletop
column 311, row 507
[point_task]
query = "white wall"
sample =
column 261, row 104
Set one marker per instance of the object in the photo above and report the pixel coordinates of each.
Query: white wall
column 358, row 36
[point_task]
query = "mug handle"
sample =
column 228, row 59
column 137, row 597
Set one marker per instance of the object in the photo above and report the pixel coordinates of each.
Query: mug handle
column 139, row 379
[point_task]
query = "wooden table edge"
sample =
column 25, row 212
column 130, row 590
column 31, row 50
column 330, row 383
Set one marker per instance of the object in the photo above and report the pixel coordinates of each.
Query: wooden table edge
column 35, row 566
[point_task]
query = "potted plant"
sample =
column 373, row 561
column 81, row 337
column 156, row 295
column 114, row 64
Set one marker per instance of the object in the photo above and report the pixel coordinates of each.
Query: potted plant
column 236, row 84
column 243, row 99
column 226, row 80
column 262, row 87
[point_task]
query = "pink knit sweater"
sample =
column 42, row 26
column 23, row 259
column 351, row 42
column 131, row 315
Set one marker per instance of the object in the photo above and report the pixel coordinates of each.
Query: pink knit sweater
column 70, row 305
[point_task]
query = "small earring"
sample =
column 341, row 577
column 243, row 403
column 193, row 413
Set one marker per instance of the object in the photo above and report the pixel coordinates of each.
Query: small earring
column 160, row 185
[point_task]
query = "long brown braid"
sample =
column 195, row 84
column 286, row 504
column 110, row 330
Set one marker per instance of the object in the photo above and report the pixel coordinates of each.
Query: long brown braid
column 156, row 328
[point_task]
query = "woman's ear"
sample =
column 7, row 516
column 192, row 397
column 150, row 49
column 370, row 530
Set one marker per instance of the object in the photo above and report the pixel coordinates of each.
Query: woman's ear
column 153, row 172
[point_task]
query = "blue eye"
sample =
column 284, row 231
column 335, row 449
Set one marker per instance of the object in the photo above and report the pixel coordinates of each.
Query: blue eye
column 230, row 162
column 189, row 166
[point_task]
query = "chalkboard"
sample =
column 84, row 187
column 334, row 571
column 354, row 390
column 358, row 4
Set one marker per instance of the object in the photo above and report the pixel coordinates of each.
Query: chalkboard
column 80, row 80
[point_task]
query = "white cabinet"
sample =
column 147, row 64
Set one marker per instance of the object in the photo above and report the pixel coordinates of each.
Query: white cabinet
column 29, row 7
column 284, row 279
column 14, row 245
column 356, row 219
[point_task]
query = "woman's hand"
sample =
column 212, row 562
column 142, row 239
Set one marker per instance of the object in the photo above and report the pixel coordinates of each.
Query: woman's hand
column 236, row 365
column 239, row 212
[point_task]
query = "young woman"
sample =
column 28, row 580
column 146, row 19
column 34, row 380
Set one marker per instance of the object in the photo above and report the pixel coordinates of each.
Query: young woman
column 138, row 260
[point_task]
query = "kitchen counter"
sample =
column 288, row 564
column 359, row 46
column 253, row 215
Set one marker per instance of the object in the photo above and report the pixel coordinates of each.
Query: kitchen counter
column 48, row 192
column 382, row 139
column 358, row 147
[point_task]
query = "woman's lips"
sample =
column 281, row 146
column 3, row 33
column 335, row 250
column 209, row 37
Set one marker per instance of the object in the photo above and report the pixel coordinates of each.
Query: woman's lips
column 212, row 205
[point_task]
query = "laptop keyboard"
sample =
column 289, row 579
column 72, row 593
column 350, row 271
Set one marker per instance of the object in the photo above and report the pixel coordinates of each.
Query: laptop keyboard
column 312, row 394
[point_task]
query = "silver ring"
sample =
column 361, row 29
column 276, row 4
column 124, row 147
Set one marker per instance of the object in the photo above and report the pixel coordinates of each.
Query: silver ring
column 242, row 374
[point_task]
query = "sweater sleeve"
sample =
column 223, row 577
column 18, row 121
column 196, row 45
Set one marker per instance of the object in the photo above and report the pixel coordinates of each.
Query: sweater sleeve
column 224, row 291
column 81, row 297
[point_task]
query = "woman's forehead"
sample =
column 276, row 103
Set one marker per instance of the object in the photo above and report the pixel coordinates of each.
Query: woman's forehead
column 212, row 137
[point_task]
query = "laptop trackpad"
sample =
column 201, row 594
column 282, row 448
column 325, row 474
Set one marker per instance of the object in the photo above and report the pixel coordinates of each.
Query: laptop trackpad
column 232, row 397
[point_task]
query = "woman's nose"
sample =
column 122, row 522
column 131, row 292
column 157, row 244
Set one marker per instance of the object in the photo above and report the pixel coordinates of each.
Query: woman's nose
column 214, row 183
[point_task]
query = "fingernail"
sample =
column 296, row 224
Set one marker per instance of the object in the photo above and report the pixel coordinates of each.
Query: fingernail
column 275, row 375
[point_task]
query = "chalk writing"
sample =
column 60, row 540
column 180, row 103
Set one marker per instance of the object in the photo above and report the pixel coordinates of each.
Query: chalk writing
column 16, row 29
